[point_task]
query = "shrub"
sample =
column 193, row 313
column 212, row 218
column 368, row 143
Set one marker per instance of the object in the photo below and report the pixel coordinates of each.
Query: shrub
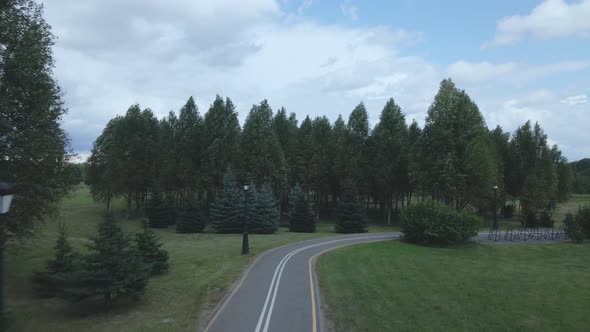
column 508, row 210
column 433, row 223
column 65, row 261
column 583, row 219
column 301, row 216
column 573, row 228
column 150, row 250
column 545, row 220
column 351, row 216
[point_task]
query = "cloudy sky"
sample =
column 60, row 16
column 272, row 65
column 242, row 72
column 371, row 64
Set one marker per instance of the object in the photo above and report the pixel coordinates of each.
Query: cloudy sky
column 518, row 60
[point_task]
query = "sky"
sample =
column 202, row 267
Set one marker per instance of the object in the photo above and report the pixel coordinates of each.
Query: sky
column 518, row 60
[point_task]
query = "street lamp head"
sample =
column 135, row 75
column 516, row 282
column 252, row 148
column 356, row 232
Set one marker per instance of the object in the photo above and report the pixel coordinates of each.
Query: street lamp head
column 6, row 193
column 246, row 187
column 495, row 187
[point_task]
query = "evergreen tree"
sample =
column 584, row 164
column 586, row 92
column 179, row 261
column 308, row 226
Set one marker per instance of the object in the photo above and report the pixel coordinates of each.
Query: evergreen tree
column 340, row 158
column 150, row 250
column 301, row 218
column 189, row 217
column 390, row 138
column 158, row 213
column 263, row 159
column 226, row 213
column 447, row 149
column 262, row 211
column 221, row 140
column 112, row 269
column 190, row 126
column 33, row 145
column 321, row 160
column 350, row 212
column 65, row 261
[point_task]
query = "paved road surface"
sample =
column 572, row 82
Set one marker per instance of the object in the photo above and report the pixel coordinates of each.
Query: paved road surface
column 279, row 292
column 276, row 293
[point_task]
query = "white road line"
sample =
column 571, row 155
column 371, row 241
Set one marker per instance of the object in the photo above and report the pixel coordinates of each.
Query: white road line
column 274, row 285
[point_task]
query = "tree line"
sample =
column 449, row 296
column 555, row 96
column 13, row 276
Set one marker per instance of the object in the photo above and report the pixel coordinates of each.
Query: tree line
column 454, row 158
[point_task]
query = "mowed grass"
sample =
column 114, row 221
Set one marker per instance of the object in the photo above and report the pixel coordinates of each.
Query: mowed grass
column 202, row 266
column 395, row 286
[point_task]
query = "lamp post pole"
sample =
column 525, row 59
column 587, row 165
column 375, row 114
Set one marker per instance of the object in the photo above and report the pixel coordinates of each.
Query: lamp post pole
column 6, row 194
column 245, row 242
column 495, row 206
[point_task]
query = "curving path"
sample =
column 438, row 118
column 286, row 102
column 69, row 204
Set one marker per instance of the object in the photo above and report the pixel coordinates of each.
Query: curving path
column 279, row 291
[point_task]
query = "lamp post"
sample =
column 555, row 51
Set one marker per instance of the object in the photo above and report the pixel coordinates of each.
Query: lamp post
column 6, row 194
column 245, row 243
column 495, row 187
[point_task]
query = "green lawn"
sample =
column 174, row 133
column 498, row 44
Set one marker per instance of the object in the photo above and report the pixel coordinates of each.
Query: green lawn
column 395, row 286
column 202, row 266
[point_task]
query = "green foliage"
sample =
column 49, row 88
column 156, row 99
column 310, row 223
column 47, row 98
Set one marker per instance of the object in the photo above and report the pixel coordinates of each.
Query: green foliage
column 111, row 270
column 431, row 223
column 157, row 211
column 583, row 219
column 508, row 210
column 262, row 211
column 301, row 216
column 451, row 157
column 545, row 220
column 150, row 250
column 65, row 261
column 581, row 176
column 33, row 146
column 262, row 158
column 190, row 220
column 350, row 212
column 573, row 228
column 221, row 138
column 226, row 213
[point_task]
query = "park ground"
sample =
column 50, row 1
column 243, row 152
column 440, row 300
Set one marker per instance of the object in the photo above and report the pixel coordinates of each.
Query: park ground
column 396, row 286
column 202, row 266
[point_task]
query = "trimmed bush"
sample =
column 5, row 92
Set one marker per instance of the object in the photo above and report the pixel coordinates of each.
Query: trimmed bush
column 431, row 223
column 150, row 250
column 351, row 216
column 301, row 216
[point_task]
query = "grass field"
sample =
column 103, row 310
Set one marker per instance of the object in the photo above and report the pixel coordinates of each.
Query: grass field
column 202, row 266
column 394, row 286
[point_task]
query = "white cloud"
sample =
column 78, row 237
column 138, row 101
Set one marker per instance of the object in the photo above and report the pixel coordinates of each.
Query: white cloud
column 565, row 125
column 517, row 73
column 575, row 100
column 349, row 10
column 551, row 19
column 480, row 71
column 107, row 60
column 303, row 6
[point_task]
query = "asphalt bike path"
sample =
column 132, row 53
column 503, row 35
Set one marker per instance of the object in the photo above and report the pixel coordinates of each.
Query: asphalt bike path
column 279, row 291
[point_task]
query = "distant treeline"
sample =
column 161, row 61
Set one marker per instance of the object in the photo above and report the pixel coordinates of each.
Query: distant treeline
column 581, row 169
column 453, row 159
